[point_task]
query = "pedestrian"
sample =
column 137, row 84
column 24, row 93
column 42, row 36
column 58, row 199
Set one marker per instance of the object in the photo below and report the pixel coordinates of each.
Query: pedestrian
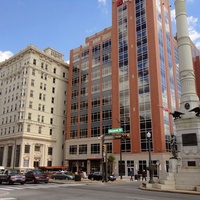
column 144, row 175
column 131, row 174
column 138, row 178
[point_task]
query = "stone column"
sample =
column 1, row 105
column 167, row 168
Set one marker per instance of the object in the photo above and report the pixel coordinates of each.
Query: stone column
column 188, row 88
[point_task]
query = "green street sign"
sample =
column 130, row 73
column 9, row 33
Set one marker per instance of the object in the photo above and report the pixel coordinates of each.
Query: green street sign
column 115, row 130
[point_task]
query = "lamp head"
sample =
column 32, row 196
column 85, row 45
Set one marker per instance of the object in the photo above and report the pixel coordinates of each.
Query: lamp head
column 148, row 134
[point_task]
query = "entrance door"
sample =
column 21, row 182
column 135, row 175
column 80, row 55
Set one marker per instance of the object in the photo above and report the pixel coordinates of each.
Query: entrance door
column 130, row 166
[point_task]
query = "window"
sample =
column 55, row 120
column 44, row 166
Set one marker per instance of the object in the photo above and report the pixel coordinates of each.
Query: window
column 39, row 107
column 52, row 110
column 27, row 148
column 52, row 100
column 83, row 149
column 54, row 70
column 51, row 120
column 30, row 104
column 73, row 149
column 34, row 61
column 33, row 72
column 50, row 131
column 31, row 93
column 63, row 74
column 95, row 148
column 29, row 116
column 54, row 80
column 37, row 148
column 109, row 147
column 32, row 82
column 50, row 151
column 40, row 129
column 28, row 128
column 53, row 90
column 95, row 131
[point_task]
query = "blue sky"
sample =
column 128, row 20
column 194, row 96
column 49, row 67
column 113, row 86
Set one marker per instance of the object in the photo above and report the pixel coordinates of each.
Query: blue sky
column 64, row 24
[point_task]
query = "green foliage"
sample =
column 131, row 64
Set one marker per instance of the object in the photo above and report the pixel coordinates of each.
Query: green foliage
column 152, row 168
column 111, row 161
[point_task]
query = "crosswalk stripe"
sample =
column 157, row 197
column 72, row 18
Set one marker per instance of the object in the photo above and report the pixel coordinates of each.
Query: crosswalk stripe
column 38, row 186
column 5, row 189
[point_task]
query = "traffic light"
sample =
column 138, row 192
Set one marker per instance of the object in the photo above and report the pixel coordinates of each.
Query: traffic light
column 125, row 136
column 104, row 148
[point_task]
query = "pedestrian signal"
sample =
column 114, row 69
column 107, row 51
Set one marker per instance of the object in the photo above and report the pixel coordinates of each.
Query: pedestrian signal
column 125, row 136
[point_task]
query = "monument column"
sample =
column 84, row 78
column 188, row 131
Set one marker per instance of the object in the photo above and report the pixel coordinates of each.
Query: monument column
column 188, row 126
column 189, row 98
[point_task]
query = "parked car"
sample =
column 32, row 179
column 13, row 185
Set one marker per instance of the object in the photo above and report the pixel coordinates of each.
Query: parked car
column 62, row 176
column 12, row 176
column 36, row 176
column 98, row 176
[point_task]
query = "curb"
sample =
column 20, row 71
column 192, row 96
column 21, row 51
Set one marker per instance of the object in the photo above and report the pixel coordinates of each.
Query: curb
column 172, row 191
column 87, row 181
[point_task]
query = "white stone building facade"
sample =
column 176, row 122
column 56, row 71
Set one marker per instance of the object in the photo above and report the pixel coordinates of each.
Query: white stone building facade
column 33, row 98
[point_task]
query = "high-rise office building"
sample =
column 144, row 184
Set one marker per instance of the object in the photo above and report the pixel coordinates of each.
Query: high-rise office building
column 33, row 92
column 126, row 76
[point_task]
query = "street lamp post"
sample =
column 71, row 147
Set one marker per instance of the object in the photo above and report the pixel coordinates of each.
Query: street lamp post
column 150, row 163
column 104, row 159
column 120, row 150
column 158, row 164
column 121, row 157
column 14, row 153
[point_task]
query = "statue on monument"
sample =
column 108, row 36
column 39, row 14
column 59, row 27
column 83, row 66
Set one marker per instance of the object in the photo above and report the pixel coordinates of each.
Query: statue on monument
column 174, row 147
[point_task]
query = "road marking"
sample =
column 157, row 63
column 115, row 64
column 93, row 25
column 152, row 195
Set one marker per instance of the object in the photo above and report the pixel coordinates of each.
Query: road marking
column 5, row 189
column 7, row 198
column 38, row 186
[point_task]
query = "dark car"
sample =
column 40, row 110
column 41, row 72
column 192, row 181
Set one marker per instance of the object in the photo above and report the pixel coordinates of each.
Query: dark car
column 62, row 176
column 12, row 176
column 36, row 176
column 98, row 176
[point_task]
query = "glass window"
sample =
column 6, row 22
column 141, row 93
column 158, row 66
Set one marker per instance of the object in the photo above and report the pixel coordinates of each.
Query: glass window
column 73, row 149
column 27, row 148
column 37, row 148
column 83, row 149
column 50, row 151
column 95, row 148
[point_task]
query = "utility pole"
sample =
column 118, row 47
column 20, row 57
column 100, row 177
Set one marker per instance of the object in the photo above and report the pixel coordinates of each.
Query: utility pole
column 14, row 152
column 121, row 157
column 104, row 158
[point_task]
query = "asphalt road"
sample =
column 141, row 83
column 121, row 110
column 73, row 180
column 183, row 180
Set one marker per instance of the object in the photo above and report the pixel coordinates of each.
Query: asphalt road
column 79, row 191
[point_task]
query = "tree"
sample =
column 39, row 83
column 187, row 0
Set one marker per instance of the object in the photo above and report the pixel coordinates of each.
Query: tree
column 111, row 161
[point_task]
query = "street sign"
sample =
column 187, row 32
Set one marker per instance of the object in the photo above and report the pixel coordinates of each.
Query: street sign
column 118, row 136
column 115, row 130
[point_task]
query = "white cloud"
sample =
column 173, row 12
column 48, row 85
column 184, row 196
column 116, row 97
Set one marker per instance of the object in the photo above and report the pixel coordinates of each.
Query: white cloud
column 173, row 15
column 102, row 2
column 5, row 55
column 194, row 33
column 103, row 6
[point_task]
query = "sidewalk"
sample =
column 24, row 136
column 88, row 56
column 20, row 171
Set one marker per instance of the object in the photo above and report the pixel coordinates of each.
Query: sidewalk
column 88, row 181
column 143, row 187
